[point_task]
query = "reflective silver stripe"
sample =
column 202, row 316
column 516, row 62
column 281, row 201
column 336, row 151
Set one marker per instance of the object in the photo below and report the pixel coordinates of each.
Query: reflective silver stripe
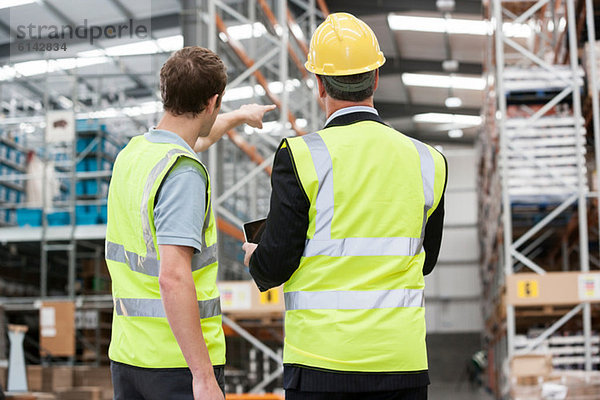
column 428, row 176
column 151, row 265
column 392, row 246
column 205, row 258
column 427, row 171
column 144, row 265
column 324, row 202
column 152, row 177
column 354, row 300
column 154, row 307
column 322, row 244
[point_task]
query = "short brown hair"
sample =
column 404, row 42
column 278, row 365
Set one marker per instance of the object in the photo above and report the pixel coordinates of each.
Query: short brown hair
column 341, row 87
column 189, row 78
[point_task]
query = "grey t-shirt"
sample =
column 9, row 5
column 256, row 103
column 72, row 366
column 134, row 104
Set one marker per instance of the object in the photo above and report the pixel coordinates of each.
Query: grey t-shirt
column 181, row 200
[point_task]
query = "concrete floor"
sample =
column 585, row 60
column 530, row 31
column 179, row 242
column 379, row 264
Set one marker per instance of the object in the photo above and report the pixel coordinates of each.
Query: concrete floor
column 447, row 391
column 449, row 355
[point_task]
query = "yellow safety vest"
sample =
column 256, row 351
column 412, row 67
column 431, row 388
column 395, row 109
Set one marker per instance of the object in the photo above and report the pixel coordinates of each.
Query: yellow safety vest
column 356, row 301
column 141, row 334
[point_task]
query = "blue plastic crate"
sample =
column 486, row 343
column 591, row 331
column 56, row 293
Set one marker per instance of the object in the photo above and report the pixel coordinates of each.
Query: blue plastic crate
column 92, row 164
column 12, row 195
column 11, row 217
column 59, row 218
column 29, row 216
column 87, row 164
column 86, row 215
column 83, row 143
column 81, row 166
column 88, row 125
column 80, row 188
column 103, row 214
column 91, row 187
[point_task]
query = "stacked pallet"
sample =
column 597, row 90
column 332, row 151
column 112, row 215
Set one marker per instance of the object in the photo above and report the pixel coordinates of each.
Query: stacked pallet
column 566, row 350
column 542, row 158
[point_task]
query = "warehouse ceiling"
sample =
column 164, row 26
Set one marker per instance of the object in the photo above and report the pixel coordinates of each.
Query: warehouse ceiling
column 431, row 86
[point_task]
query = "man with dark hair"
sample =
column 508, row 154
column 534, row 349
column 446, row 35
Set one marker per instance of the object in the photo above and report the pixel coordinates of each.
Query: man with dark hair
column 355, row 223
column 167, row 339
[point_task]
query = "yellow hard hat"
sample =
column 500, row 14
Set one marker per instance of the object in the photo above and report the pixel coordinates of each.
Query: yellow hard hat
column 343, row 45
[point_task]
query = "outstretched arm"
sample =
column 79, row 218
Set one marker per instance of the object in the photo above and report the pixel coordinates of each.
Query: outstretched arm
column 251, row 114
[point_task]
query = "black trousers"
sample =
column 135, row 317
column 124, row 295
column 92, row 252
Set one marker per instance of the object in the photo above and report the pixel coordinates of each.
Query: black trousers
column 135, row 383
column 419, row 393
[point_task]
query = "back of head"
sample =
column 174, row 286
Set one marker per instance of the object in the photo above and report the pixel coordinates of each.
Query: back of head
column 344, row 53
column 189, row 78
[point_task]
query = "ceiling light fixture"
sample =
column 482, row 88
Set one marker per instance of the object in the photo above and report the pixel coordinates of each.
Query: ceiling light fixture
column 455, row 133
column 450, row 65
column 454, row 26
column 442, row 118
column 444, row 81
column 453, row 102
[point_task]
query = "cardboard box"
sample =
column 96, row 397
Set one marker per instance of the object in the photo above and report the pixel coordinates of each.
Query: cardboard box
column 62, row 378
column 531, row 365
column 244, row 296
column 49, row 379
column 57, row 328
column 35, row 378
column 552, row 288
column 81, row 393
column 94, row 376
column 44, row 396
column 3, row 376
column 518, row 392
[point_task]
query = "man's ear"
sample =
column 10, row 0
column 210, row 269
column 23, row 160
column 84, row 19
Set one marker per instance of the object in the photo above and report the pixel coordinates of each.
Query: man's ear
column 322, row 92
column 213, row 104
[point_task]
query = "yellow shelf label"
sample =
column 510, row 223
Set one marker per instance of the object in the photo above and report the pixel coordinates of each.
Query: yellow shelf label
column 271, row 296
column 528, row 289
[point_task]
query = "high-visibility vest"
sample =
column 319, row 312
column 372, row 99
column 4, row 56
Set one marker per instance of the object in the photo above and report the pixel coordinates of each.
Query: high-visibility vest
column 356, row 301
column 141, row 335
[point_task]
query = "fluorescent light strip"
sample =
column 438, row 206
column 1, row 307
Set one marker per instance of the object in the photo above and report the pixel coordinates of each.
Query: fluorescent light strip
column 444, row 81
column 38, row 67
column 169, row 43
column 454, row 26
column 441, row 118
column 455, row 133
column 14, row 3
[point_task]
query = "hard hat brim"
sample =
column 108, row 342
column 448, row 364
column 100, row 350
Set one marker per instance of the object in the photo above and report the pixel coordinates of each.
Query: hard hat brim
column 321, row 71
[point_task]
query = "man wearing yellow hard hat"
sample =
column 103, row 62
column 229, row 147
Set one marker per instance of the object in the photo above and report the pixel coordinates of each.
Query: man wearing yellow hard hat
column 355, row 223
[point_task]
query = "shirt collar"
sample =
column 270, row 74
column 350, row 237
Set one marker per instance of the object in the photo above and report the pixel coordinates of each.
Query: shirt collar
column 348, row 110
column 163, row 136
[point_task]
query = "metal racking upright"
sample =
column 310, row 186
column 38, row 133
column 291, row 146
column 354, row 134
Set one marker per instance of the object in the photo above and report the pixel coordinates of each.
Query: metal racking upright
column 509, row 153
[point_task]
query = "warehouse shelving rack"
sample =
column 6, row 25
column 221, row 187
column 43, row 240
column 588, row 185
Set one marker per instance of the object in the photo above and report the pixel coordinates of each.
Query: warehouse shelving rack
column 510, row 243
